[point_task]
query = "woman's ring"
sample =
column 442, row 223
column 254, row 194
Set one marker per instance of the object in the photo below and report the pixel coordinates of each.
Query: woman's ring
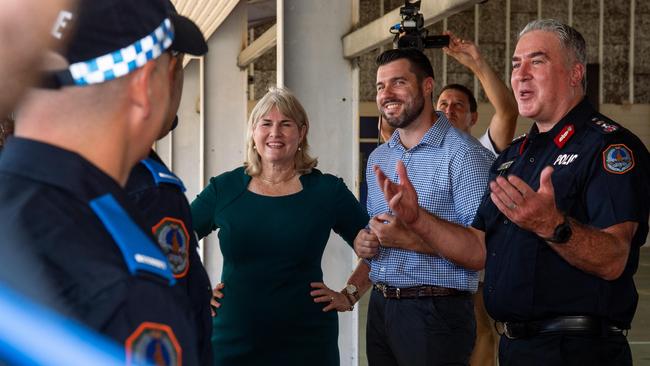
column 331, row 298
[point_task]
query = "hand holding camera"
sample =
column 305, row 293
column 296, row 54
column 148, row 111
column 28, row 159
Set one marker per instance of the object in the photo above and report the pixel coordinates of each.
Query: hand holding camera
column 410, row 32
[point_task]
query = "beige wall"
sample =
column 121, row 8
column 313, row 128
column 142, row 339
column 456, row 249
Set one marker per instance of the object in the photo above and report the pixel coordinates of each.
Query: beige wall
column 621, row 49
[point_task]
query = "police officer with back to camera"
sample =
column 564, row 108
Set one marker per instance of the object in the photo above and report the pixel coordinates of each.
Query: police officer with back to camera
column 159, row 194
column 62, row 177
column 564, row 217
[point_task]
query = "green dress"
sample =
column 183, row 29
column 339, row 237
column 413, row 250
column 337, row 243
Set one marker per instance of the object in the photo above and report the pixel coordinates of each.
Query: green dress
column 272, row 249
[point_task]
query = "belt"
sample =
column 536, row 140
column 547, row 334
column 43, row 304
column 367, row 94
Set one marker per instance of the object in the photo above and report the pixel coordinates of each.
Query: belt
column 415, row 292
column 586, row 325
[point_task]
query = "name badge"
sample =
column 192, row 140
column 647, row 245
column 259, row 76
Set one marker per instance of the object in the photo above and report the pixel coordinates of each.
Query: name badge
column 565, row 159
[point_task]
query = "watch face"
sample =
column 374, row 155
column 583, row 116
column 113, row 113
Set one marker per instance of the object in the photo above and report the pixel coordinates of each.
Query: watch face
column 350, row 288
column 562, row 233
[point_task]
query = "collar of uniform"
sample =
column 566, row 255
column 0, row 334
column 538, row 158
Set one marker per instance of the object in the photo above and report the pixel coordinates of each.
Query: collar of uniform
column 153, row 155
column 57, row 167
column 434, row 135
column 576, row 116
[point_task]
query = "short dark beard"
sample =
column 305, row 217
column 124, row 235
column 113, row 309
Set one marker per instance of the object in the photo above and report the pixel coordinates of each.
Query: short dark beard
column 409, row 114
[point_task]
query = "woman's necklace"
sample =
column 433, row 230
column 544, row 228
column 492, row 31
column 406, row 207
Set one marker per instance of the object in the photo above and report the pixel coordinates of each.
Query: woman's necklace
column 268, row 181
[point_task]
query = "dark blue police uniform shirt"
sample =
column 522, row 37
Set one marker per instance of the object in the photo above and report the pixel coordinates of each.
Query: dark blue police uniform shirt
column 158, row 193
column 16, row 273
column 600, row 179
column 46, row 194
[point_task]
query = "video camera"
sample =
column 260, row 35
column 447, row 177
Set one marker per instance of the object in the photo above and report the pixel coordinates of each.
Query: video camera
column 410, row 32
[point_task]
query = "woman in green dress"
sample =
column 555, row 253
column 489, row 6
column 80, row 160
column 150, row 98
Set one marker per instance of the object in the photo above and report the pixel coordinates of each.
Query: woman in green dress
column 274, row 216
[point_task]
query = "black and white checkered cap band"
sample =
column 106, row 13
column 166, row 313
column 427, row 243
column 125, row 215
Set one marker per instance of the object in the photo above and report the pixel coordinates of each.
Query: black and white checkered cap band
column 119, row 63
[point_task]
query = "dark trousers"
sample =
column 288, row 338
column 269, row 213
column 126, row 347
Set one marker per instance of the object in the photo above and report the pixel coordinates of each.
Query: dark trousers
column 565, row 350
column 418, row 332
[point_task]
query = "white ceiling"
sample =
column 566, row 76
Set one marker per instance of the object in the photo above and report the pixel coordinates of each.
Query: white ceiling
column 207, row 14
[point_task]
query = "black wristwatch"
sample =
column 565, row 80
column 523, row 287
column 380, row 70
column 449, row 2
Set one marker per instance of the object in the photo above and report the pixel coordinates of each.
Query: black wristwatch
column 562, row 233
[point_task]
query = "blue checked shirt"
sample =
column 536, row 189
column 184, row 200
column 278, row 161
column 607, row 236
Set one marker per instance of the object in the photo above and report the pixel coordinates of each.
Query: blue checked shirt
column 449, row 170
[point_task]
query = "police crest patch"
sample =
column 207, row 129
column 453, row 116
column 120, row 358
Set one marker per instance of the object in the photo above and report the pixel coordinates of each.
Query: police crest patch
column 174, row 240
column 618, row 159
column 153, row 344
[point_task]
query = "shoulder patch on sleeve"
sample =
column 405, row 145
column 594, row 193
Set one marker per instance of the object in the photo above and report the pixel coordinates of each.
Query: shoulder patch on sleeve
column 140, row 253
column 604, row 125
column 174, row 240
column 153, row 344
column 618, row 159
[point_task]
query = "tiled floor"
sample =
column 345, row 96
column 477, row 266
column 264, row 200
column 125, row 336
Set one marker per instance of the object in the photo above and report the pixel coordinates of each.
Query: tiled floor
column 639, row 335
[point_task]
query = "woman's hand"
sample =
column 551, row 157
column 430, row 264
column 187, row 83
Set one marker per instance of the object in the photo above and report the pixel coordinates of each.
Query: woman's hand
column 216, row 295
column 334, row 300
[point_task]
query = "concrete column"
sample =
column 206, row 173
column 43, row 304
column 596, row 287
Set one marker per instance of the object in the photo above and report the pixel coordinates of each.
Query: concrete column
column 180, row 149
column 326, row 84
column 225, row 112
column 185, row 150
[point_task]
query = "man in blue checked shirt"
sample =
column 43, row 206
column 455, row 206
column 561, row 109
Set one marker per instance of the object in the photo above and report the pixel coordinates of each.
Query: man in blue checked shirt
column 421, row 311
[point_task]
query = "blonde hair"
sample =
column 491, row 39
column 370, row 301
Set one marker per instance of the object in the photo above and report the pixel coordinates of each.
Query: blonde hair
column 288, row 105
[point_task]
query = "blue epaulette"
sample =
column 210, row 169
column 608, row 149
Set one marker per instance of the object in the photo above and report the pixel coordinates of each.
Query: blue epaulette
column 161, row 174
column 139, row 251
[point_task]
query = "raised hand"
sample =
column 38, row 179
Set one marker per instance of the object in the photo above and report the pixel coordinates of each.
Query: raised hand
column 464, row 51
column 530, row 210
column 401, row 197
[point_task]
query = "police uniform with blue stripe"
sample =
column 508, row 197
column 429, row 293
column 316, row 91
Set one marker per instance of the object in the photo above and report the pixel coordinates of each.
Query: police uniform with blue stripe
column 158, row 193
column 600, row 179
column 88, row 242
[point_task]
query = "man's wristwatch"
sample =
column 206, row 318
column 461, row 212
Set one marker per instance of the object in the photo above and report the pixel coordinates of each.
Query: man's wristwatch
column 562, row 233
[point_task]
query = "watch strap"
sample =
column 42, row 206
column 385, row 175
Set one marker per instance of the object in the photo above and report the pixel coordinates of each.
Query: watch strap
column 562, row 232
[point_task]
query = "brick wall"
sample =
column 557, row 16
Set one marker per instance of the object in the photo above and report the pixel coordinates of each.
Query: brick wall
column 619, row 84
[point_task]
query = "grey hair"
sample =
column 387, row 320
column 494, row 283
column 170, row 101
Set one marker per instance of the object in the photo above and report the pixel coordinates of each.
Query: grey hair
column 569, row 37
